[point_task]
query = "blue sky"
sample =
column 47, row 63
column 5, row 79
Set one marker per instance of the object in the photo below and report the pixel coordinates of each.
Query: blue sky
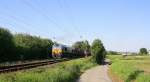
column 122, row 25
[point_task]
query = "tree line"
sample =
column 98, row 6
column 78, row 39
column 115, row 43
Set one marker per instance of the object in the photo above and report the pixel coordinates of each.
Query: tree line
column 20, row 46
column 142, row 52
column 97, row 49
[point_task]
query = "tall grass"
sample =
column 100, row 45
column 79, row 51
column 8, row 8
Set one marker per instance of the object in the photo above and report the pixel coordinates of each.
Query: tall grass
column 143, row 78
column 130, row 69
column 64, row 72
column 125, row 70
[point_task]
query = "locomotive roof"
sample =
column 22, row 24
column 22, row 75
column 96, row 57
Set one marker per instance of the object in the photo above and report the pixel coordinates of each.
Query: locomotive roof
column 61, row 45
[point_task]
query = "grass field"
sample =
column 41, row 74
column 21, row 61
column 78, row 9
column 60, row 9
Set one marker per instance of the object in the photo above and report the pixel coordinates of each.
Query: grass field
column 130, row 68
column 63, row 72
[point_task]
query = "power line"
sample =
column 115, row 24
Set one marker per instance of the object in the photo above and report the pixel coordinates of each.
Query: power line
column 21, row 21
column 70, row 17
column 10, row 24
column 10, row 15
column 40, row 10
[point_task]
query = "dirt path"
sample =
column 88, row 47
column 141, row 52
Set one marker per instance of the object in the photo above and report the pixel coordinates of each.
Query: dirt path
column 96, row 74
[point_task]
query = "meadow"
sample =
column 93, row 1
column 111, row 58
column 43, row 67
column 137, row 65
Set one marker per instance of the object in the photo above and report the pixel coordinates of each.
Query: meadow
column 63, row 72
column 130, row 68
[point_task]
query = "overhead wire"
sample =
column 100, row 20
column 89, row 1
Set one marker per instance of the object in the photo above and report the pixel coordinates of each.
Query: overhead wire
column 40, row 11
column 9, row 24
column 70, row 17
column 21, row 21
column 64, row 13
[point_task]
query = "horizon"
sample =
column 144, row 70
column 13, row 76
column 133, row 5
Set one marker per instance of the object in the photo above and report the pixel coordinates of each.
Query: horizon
column 121, row 25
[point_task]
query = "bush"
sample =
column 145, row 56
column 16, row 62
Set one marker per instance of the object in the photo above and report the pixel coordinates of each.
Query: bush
column 113, row 53
column 98, row 51
column 6, row 45
column 143, row 51
column 82, row 45
column 23, row 47
column 31, row 47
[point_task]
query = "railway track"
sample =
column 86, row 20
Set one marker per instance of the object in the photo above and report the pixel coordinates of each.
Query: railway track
column 6, row 69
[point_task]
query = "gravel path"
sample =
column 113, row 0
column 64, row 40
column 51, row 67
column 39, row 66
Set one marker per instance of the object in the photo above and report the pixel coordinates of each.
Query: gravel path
column 96, row 74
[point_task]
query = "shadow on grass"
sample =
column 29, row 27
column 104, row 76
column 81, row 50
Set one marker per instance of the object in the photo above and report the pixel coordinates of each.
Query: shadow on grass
column 134, row 75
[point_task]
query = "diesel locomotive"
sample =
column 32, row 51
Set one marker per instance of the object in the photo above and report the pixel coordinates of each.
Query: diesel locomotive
column 63, row 51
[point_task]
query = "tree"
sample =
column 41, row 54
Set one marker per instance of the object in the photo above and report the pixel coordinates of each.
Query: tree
column 113, row 53
column 6, row 45
column 23, row 46
column 32, row 47
column 143, row 51
column 83, row 45
column 86, row 45
column 78, row 44
column 98, row 51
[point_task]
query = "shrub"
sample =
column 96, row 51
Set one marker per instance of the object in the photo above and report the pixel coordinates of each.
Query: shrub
column 32, row 47
column 143, row 51
column 6, row 45
column 113, row 53
column 23, row 46
column 83, row 45
column 98, row 51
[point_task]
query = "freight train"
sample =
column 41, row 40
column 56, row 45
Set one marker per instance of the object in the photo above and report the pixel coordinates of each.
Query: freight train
column 63, row 51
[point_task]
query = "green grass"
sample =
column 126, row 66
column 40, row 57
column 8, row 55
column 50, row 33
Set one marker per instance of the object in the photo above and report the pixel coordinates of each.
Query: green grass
column 131, row 68
column 63, row 72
